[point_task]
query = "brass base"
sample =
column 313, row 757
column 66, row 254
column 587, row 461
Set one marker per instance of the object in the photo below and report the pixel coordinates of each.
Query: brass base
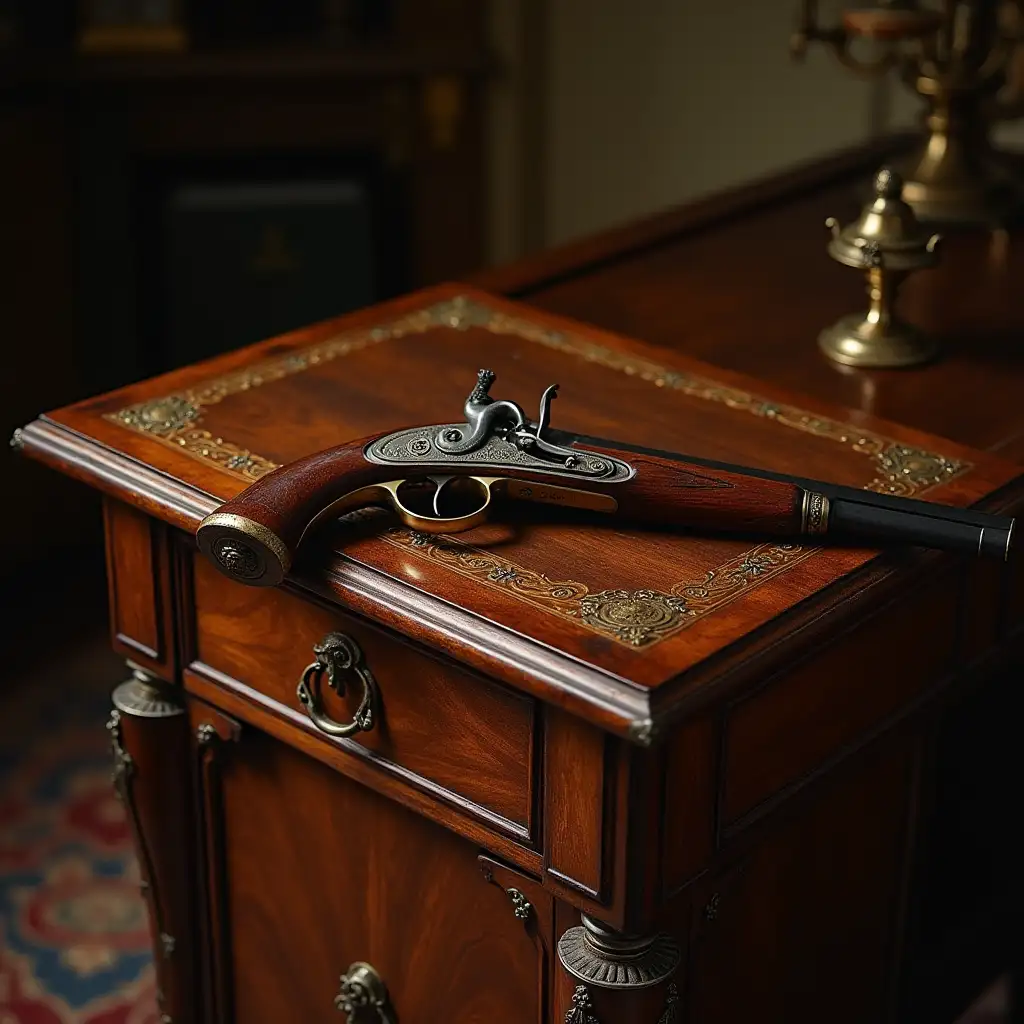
column 858, row 340
column 948, row 186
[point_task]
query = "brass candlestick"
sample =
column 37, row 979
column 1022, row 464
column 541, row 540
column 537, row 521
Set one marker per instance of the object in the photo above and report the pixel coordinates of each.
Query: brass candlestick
column 888, row 242
column 956, row 58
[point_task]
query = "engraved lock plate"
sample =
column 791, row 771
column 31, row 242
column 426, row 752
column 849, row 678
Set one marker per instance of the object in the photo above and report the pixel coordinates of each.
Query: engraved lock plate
column 496, row 434
column 363, row 997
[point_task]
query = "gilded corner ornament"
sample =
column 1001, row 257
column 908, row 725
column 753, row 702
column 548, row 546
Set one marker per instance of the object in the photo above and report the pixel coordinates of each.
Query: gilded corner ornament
column 636, row 617
column 904, row 470
column 162, row 416
column 582, row 1010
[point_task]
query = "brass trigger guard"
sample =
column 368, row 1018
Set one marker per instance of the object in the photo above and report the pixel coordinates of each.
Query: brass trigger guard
column 441, row 524
column 387, row 492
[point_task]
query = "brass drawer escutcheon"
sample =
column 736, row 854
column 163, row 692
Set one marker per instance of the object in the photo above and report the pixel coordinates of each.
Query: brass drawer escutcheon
column 364, row 997
column 338, row 654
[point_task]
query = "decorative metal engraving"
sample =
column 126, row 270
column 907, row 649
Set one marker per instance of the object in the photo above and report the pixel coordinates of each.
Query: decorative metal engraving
column 142, row 697
column 206, row 734
column 336, row 655
column 18, row 439
column 670, row 1015
column 123, row 763
column 905, row 471
column 176, row 420
column 814, row 514
column 496, row 453
column 634, row 616
column 711, row 907
column 696, row 598
column 237, row 558
column 164, row 416
column 582, row 1010
column 599, row 956
column 521, row 906
column 363, row 996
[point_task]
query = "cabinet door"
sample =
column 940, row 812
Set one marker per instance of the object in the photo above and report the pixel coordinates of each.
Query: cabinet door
column 805, row 928
column 317, row 873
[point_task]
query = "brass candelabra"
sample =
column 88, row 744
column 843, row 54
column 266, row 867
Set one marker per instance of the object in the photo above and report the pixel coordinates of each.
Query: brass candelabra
column 956, row 57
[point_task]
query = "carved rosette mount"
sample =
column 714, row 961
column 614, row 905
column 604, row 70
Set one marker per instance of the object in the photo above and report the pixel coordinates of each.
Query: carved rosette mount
column 599, row 956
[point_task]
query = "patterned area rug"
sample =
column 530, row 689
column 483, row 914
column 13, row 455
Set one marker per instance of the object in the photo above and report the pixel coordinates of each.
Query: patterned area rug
column 74, row 941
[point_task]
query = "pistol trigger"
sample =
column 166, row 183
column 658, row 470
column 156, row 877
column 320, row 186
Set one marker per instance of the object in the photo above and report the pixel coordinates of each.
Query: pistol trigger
column 440, row 483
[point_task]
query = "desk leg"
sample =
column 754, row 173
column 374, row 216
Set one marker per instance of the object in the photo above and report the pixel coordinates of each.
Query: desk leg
column 619, row 978
column 150, row 739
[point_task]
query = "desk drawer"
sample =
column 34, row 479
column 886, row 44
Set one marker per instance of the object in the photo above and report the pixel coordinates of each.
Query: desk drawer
column 434, row 725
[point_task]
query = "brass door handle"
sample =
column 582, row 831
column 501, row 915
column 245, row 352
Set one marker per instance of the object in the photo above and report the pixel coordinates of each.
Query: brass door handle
column 364, row 997
column 337, row 655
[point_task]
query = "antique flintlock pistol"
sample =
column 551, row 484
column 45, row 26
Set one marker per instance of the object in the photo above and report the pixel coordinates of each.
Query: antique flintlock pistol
column 443, row 479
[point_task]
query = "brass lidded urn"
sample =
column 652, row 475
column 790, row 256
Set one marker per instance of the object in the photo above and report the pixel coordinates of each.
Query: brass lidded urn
column 955, row 56
column 887, row 242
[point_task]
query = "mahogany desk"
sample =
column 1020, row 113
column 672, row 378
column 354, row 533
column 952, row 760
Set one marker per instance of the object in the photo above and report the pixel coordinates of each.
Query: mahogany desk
column 789, row 773
column 758, row 288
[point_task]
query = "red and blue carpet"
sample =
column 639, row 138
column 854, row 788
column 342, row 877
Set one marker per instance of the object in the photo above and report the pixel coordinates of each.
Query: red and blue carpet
column 74, row 941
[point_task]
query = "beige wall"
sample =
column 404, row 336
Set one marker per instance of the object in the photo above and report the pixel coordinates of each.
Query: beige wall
column 653, row 102
column 610, row 109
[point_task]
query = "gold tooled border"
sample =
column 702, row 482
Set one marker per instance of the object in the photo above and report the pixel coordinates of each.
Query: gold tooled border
column 633, row 617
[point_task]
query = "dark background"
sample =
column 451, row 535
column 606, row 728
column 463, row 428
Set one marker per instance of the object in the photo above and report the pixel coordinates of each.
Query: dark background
column 272, row 165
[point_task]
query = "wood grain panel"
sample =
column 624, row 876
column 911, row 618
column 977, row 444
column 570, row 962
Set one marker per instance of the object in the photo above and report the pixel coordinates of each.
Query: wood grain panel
column 468, row 735
column 826, row 703
column 136, row 576
column 689, row 811
column 575, row 801
column 808, row 919
column 341, row 876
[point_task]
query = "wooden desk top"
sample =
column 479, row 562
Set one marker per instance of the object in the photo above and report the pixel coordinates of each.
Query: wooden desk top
column 627, row 627
column 742, row 280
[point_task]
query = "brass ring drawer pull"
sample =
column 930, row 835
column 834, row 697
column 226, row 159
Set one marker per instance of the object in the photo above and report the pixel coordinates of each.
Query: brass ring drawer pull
column 364, row 997
column 337, row 655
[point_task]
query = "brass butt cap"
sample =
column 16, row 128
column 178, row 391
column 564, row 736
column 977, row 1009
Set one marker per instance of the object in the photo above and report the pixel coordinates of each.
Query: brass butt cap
column 244, row 550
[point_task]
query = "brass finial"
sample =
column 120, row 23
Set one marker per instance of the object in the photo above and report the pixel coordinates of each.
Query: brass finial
column 887, row 242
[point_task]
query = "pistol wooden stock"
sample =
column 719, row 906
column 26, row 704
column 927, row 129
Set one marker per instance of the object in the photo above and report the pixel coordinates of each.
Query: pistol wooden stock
column 254, row 537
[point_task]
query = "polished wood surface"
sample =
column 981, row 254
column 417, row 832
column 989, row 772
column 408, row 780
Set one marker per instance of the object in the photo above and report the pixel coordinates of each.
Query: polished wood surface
column 215, row 427
column 804, row 784
column 743, row 281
